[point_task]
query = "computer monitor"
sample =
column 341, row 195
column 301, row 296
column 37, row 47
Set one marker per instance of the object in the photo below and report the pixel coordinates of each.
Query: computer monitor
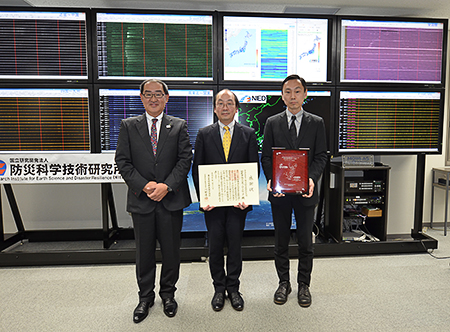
column 256, row 106
column 393, row 51
column 43, row 45
column 44, row 120
column 386, row 122
column 267, row 49
column 136, row 46
column 115, row 104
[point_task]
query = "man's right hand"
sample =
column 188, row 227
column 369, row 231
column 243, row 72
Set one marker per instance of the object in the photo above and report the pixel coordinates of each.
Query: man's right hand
column 269, row 188
column 207, row 208
column 149, row 187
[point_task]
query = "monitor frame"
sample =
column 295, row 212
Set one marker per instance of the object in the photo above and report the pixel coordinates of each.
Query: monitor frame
column 62, row 81
column 330, row 46
column 394, row 84
column 96, row 94
column 91, row 115
column 396, row 151
column 329, row 119
column 124, row 81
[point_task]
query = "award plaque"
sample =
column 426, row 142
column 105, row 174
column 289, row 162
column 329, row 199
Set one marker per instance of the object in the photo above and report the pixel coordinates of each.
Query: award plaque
column 290, row 171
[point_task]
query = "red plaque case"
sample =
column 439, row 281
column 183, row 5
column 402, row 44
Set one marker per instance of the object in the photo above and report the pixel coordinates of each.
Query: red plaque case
column 290, row 171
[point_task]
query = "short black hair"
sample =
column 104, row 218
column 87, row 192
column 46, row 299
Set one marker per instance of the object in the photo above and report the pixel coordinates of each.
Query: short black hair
column 294, row 77
column 164, row 85
column 236, row 100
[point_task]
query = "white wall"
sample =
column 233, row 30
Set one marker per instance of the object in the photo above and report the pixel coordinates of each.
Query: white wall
column 62, row 206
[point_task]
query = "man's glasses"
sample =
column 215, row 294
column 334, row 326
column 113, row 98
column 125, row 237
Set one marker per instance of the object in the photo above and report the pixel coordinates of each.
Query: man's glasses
column 158, row 95
column 229, row 104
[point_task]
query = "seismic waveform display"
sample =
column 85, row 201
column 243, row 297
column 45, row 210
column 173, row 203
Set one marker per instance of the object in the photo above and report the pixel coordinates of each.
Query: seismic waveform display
column 408, row 52
column 138, row 46
column 195, row 106
column 374, row 121
column 43, row 45
column 274, row 54
column 44, row 120
column 264, row 49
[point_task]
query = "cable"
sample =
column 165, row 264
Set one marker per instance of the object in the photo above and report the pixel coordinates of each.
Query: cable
column 431, row 253
column 318, row 230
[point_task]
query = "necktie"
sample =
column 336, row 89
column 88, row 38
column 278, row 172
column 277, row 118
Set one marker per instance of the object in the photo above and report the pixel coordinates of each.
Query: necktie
column 293, row 130
column 226, row 142
column 153, row 136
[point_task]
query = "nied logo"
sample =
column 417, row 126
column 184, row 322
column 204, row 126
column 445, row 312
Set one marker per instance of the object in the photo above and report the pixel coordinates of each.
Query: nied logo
column 245, row 99
column 2, row 168
column 253, row 99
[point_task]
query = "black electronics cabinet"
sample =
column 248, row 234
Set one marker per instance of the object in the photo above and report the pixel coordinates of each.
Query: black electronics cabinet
column 358, row 203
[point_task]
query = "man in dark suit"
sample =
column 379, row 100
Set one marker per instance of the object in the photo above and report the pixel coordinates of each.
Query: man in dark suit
column 225, row 224
column 294, row 129
column 154, row 157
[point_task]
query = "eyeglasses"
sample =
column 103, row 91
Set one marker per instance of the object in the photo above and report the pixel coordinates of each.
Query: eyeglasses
column 158, row 95
column 222, row 105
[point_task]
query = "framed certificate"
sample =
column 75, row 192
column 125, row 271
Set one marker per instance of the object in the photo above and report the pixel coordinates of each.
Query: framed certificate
column 290, row 171
column 228, row 184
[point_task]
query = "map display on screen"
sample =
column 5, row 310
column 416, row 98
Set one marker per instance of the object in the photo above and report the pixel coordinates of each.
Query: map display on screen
column 270, row 48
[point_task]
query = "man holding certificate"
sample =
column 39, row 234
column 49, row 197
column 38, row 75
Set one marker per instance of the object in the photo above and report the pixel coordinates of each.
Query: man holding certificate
column 225, row 142
column 294, row 129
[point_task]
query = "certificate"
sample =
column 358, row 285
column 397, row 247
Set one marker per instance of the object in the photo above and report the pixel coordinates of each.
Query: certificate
column 228, row 184
column 290, row 171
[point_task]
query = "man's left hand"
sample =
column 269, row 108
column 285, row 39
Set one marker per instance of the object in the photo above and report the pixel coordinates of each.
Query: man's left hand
column 241, row 206
column 311, row 189
column 159, row 193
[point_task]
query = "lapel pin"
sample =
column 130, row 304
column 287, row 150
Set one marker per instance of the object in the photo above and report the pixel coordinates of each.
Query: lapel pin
column 168, row 126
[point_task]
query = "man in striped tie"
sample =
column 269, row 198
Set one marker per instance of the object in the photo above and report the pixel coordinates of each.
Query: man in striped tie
column 154, row 157
column 225, row 141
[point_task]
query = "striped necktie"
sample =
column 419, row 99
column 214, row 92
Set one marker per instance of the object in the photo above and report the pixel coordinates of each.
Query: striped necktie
column 226, row 142
column 153, row 136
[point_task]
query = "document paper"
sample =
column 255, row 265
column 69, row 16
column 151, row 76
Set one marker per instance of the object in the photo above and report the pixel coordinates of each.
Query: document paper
column 228, row 184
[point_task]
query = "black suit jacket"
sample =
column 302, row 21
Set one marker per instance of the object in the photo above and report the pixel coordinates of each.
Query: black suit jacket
column 312, row 135
column 138, row 165
column 209, row 148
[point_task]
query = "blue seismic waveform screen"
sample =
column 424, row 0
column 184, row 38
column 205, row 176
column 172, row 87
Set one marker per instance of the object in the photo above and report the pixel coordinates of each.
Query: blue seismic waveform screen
column 196, row 110
column 274, row 53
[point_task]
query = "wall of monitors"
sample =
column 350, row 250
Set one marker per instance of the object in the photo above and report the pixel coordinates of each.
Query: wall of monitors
column 44, row 120
column 43, row 45
column 376, row 51
column 193, row 105
column 378, row 83
column 379, row 122
column 167, row 46
column 264, row 49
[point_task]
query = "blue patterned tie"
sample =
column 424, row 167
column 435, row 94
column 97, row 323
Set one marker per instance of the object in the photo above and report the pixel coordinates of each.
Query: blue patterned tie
column 153, row 136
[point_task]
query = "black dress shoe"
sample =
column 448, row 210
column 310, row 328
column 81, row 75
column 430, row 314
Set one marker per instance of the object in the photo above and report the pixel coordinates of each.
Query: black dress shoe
column 237, row 302
column 141, row 311
column 304, row 296
column 282, row 292
column 170, row 307
column 218, row 301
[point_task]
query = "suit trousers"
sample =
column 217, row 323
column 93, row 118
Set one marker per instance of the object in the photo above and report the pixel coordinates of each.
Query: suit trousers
column 164, row 226
column 282, row 219
column 225, row 226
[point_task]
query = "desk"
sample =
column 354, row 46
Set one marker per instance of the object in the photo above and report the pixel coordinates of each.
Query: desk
column 440, row 180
